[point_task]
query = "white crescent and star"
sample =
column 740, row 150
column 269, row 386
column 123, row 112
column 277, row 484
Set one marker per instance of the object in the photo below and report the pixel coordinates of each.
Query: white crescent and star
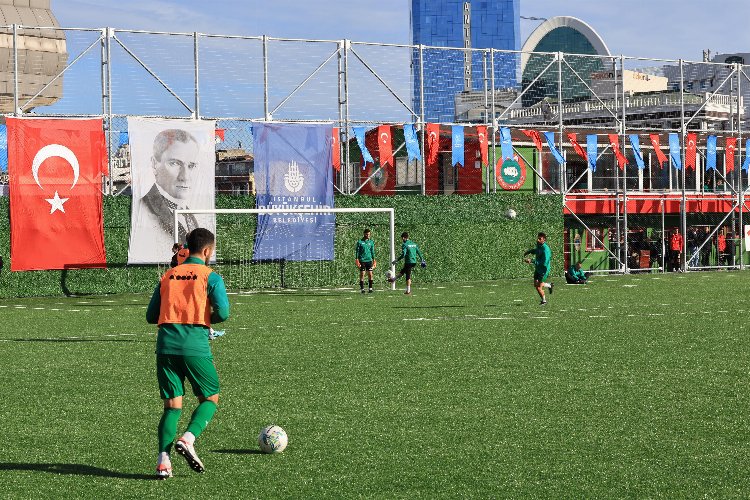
column 50, row 151
column 481, row 138
column 384, row 137
column 433, row 136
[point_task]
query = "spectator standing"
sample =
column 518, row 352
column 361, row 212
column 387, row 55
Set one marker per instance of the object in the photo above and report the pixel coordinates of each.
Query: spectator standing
column 675, row 250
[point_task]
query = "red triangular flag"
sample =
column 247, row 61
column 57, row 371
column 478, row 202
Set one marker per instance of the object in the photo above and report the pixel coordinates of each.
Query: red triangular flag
column 614, row 140
column 690, row 151
column 730, row 146
column 573, row 138
column 433, row 142
column 336, row 150
column 55, row 193
column 219, row 134
column 534, row 136
column 385, row 147
column 660, row 156
column 482, row 136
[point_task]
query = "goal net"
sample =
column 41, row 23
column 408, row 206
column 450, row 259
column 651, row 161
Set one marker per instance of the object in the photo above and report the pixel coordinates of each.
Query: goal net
column 236, row 230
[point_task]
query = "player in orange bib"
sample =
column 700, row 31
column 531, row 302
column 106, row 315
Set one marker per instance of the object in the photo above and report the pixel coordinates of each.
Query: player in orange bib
column 189, row 299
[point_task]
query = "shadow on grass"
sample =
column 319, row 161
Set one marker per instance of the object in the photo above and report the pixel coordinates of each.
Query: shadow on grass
column 425, row 307
column 238, row 452
column 74, row 469
column 72, row 340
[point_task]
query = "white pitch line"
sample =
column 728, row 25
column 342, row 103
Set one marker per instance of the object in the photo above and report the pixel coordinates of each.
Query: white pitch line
column 597, row 316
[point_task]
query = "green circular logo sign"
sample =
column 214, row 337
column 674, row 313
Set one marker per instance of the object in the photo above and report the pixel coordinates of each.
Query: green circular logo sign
column 510, row 173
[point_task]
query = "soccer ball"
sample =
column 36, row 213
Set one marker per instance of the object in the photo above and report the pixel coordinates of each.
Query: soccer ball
column 389, row 275
column 272, row 439
column 510, row 213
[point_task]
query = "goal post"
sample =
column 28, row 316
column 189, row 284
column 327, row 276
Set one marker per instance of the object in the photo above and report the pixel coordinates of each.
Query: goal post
column 390, row 212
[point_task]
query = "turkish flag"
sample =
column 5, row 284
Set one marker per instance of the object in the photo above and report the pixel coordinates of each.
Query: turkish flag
column 336, row 149
column 730, row 146
column 534, row 136
column 482, row 136
column 433, row 142
column 660, row 156
column 56, row 169
column 219, row 135
column 573, row 138
column 690, row 151
column 385, row 147
column 614, row 140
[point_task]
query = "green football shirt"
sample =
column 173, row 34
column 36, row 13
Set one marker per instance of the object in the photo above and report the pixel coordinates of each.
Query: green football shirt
column 365, row 251
column 410, row 252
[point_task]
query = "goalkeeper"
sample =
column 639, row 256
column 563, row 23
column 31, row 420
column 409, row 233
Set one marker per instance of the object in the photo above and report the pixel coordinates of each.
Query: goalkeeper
column 189, row 298
column 365, row 260
column 542, row 259
column 410, row 253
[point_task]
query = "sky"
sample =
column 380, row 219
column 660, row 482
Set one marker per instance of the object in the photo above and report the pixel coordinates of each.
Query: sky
column 669, row 29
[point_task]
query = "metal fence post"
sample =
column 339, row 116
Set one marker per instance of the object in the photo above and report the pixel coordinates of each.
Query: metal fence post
column 265, row 78
column 560, row 117
column 625, row 169
column 16, row 111
column 422, row 119
column 683, row 204
column 742, row 184
column 348, row 170
column 197, row 112
column 493, row 126
column 108, row 39
column 486, row 116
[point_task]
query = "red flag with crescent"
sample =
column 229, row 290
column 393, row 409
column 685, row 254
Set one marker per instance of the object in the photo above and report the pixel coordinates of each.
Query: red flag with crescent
column 336, row 149
column 660, row 156
column 730, row 146
column 614, row 141
column 433, row 142
column 56, row 169
column 385, row 146
column 482, row 137
column 534, row 136
column 690, row 150
column 573, row 138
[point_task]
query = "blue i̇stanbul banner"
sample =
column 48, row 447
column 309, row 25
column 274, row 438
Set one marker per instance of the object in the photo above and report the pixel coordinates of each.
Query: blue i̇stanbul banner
column 293, row 170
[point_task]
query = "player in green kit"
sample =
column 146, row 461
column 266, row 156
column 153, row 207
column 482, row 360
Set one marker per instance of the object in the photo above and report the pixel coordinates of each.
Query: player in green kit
column 542, row 259
column 188, row 300
column 364, row 255
column 409, row 252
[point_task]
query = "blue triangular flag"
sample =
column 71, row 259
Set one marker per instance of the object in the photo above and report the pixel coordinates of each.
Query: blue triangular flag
column 746, row 164
column 550, row 136
column 711, row 152
column 674, row 151
column 359, row 133
column 592, row 150
column 636, row 144
column 458, row 145
column 506, row 143
column 3, row 148
column 412, row 144
column 123, row 139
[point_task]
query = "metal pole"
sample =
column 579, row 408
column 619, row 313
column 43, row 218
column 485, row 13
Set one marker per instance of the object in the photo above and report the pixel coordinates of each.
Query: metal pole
column 347, row 170
column 493, row 127
column 625, row 168
column 663, row 239
column 197, row 112
column 103, row 58
column 560, row 117
column 392, row 223
column 16, row 111
column 422, row 119
column 110, row 33
column 486, row 117
column 742, row 184
column 265, row 78
column 618, row 227
column 341, row 104
column 683, row 207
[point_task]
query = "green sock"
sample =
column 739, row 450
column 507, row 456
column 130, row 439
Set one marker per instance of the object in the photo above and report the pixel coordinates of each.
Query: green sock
column 168, row 428
column 201, row 417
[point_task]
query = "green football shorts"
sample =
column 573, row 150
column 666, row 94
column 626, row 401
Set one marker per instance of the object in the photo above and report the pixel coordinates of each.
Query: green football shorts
column 200, row 371
column 540, row 276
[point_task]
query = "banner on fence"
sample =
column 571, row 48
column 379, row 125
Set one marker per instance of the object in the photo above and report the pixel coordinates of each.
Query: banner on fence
column 173, row 164
column 56, row 216
column 292, row 171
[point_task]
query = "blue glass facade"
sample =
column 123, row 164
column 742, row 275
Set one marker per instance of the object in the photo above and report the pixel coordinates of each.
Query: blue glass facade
column 440, row 23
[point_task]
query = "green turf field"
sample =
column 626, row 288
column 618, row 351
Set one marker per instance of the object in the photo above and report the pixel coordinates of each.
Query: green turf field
column 633, row 386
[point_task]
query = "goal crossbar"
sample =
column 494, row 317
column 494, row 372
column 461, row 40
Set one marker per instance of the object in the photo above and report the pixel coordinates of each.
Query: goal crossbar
column 321, row 211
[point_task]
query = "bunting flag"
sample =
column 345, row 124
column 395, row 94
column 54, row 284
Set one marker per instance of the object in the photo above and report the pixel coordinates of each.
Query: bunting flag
column 592, row 146
column 482, row 136
column 56, row 217
column 550, row 137
column 710, row 152
column 635, row 142
column 614, row 141
column 433, row 142
column 535, row 137
column 359, row 133
column 336, row 149
column 674, row 151
column 385, row 145
column 458, row 145
column 506, row 143
column 219, row 135
column 573, row 138
column 660, row 156
column 690, row 151
column 412, row 143
column 746, row 163
column 123, row 139
column 730, row 146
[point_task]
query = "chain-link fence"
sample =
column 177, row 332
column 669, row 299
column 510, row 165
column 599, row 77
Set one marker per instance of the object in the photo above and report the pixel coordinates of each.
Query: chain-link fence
column 668, row 135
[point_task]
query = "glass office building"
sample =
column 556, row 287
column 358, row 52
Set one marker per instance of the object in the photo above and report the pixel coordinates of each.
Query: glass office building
column 461, row 23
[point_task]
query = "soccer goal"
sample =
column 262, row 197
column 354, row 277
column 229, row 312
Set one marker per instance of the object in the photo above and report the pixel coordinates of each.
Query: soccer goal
column 236, row 230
